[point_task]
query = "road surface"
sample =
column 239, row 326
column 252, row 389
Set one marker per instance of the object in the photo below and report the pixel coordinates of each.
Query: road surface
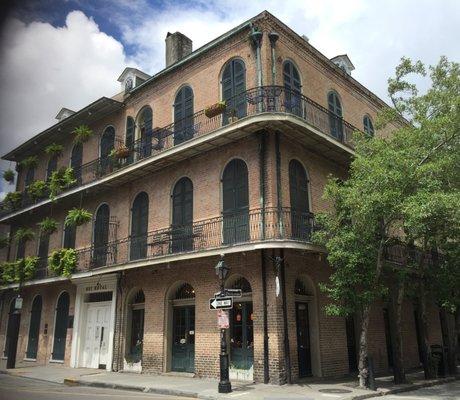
column 448, row 391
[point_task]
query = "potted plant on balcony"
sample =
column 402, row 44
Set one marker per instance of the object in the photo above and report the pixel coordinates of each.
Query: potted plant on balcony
column 27, row 268
column 82, row 133
column 24, row 234
column 8, row 175
column 63, row 262
column 77, row 217
column 215, row 109
column 122, row 152
column 37, row 190
column 54, row 149
column 48, row 225
column 13, row 200
column 8, row 272
column 60, row 180
column 232, row 116
column 29, row 162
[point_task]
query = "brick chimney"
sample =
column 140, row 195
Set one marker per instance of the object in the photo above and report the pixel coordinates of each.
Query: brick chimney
column 178, row 46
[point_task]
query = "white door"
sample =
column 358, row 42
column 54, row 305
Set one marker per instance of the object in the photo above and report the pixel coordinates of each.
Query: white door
column 96, row 335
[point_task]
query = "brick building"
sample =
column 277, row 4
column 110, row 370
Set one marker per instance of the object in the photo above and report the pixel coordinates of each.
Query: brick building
column 172, row 183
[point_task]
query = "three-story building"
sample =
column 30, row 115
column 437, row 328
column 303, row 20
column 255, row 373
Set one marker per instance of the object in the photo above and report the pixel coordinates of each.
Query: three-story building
column 225, row 151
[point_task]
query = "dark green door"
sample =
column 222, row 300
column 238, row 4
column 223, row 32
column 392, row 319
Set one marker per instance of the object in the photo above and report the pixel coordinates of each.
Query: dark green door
column 242, row 336
column 303, row 339
column 183, row 343
column 233, row 90
column 101, row 236
column 183, row 115
column 182, row 216
column 107, row 145
column 60, row 327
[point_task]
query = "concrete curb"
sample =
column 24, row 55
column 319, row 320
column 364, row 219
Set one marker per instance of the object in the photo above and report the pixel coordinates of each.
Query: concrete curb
column 405, row 388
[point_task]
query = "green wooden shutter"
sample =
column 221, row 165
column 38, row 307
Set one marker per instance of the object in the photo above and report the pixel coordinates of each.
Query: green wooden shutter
column 139, row 226
column 34, row 328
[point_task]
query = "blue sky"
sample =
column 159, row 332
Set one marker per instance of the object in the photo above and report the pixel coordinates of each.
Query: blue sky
column 68, row 53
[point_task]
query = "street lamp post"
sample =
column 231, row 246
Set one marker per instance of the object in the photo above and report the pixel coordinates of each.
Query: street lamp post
column 225, row 385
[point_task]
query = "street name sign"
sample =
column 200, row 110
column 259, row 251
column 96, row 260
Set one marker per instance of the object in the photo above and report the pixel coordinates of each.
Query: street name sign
column 229, row 293
column 220, row 303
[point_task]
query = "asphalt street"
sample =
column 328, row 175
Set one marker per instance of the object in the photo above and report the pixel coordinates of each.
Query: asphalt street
column 14, row 388
column 449, row 391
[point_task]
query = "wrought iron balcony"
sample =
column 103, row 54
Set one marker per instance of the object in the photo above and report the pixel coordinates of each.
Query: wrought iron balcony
column 256, row 101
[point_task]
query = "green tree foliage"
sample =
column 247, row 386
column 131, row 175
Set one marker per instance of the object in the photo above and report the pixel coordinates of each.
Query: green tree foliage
column 63, row 262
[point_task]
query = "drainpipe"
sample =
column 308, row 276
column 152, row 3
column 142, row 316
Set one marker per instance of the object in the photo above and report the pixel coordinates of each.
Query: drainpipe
column 287, row 355
column 256, row 37
column 273, row 37
column 265, row 318
column 278, row 184
column 120, row 321
column 262, row 146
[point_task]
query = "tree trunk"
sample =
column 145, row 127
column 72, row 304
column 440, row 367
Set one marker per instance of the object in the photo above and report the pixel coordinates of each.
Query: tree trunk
column 397, row 299
column 457, row 337
column 363, row 341
column 426, row 352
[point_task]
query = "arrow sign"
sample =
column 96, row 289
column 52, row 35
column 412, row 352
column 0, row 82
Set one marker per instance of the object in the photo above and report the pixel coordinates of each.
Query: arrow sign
column 222, row 303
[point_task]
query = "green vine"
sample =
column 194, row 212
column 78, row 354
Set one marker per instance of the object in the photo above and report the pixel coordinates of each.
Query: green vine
column 63, row 262
column 54, row 149
column 37, row 190
column 24, row 234
column 29, row 162
column 13, row 200
column 82, row 133
column 48, row 225
column 8, row 175
column 8, row 272
column 77, row 217
column 60, row 180
column 28, row 268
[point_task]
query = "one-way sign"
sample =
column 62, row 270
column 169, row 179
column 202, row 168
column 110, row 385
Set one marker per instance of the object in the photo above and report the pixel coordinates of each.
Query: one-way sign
column 221, row 303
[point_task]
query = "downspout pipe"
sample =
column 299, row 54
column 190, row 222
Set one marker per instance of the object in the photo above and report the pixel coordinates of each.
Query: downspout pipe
column 265, row 316
column 287, row 353
column 278, row 184
column 262, row 146
column 273, row 37
column 256, row 37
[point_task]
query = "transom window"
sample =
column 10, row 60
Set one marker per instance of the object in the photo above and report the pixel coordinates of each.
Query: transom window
column 185, row 291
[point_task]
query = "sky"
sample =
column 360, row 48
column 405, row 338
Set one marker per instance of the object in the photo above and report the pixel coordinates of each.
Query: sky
column 68, row 53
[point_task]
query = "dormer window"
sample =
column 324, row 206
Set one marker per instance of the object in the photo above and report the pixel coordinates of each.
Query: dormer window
column 128, row 84
column 131, row 78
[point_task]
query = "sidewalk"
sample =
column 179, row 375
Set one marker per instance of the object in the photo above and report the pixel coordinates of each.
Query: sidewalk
column 207, row 388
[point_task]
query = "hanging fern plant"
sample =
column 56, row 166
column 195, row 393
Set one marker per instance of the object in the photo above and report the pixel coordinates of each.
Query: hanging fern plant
column 60, row 180
column 24, row 234
column 29, row 162
column 8, row 175
column 63, row 262
column 48, row 225
column 37, row 190
column 82, row 133
column 8, row 272
column 13, row 200
column 27, row 268
column 77, row 217
column 54, row 149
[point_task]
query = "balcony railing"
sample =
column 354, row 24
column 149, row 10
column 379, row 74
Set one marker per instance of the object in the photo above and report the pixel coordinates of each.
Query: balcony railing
column 259, row 100
column 221, row 232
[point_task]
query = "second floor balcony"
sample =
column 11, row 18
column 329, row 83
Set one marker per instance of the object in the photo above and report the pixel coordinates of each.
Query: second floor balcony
column 273, row 107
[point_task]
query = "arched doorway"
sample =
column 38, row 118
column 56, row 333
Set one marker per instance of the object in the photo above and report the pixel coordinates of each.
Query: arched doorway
column 76, row 161
column 183, row 115
column 135, row 330
column 12, row 332
column 182, row 216
column 101, row 235
column 34, row 327
column 292, row 86
column 233, row 89
column 60, row 326
column 300, row 209
column 107, row 145
column 139, row 227
column 307, row 328
column 335, row 115
column 235, row 202
column 182, row 301
column 242, row 332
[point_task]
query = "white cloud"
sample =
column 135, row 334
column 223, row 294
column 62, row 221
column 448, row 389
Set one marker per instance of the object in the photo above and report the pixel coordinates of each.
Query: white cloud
column 44, row 68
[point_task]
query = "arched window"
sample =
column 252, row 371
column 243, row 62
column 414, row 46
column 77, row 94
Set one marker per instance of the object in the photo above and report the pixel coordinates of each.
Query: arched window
column 52, row 166
column 233, row 89
column 101, row 235
column 300, row 210
column 129, row 139
column 335, row 115
column 107, row 145
column 145, row 128
column 139, row 226
column 183, row 115
column 292, row 88
column 300, row 288
column 76, row 160
column 243, row 284
column 184, row 291
column 34, row 327
column 235, row 195
column 60, row 326
column 135, row 334
column 182, row 216
column 368, row 125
